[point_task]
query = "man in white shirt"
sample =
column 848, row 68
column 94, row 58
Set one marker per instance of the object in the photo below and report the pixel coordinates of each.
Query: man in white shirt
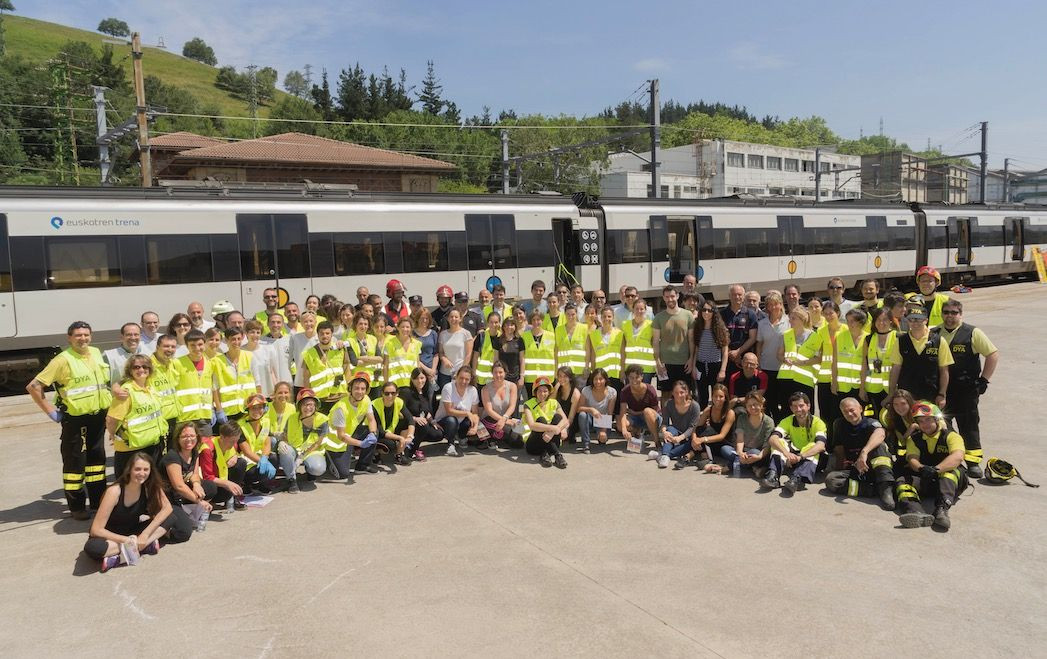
column 150, row 332
column 195, row 311
column 130, row 344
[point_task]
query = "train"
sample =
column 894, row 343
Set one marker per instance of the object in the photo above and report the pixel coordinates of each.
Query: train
column 104, row 255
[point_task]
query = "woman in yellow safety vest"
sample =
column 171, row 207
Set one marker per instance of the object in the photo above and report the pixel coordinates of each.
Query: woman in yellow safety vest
column 362, row 347
column 235, row 377
column 605, row 349
column 876, row 367
column 539, row 358
column 638, row 335
column 136, row 422
column 814, row 309
column 848, row 352
column 818, row 350
column 794, row 377
column 544, row 425
column 485, row 348
column 402, row 353
column 256, row 444
column 302, row 436
column 212, row 342
column 571, row 339
column 380, row 331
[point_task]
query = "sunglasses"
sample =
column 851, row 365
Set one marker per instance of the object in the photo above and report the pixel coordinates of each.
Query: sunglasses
column 181, row 324
column 141, row 367
column 707, row 310
column 950, row 313
column 388, row 393
column 836, row 288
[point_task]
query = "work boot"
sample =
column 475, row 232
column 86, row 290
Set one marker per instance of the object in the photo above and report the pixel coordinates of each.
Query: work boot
column 974, row 470
column 941, row 517
column 771, row 482
column 887, row 496
column 795, row 484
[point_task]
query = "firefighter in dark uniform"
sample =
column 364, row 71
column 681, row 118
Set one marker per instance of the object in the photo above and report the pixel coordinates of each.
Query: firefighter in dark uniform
column 864, row 465
column 935, row 456
column 81, row 378
column 968, row 379
column 922, row 359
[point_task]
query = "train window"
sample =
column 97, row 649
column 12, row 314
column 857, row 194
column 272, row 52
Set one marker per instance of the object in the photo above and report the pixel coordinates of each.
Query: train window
column 132, row 260
column 725, row 243
column 256, row 246
column 321, row 254
column 225, row 261
column 901, row 238
column 178, row 259
column 705, row 237
column 660, row 238
column 628, row 246
column 852, row 240
column 394, row 258
column 82, row 262
column 758, row 242
column 876, row 232
column 27, row 263
column 292, row 245
column 456, row 257
column 424, row 251
column 535, row 249
column 358, row 253
column 936, row 236
column 986, row 236
column 5, row 258
column 791, row 235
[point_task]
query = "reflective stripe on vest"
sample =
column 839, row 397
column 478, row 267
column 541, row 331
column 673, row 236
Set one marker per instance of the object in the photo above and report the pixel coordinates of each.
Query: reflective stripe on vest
column 607, row 356
column 639, row 345
column 877, row 380
column 144, row 424
column 257, row 441
column 800, row 374
column 235, row 382
column 326, row 374
column 820, row 342
column 542, row 414
column 87, row 390
column 402, row 360
column 164, row 383
column 368, row 349
column 299, row 437
column 485, row 361
column 379, row 412
column 355, row 414
column 194, row 390
column 540, row 358
column 849, row 360
column 570, row 349
column 221, row 458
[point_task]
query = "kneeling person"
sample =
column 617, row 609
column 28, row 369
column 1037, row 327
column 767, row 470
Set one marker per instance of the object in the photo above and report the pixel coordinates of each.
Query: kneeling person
column 795, row 444
column 935, row 455
column 861, row 453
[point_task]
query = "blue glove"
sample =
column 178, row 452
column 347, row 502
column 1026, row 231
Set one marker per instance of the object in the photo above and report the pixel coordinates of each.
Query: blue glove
column 55, row 415
column 214, row 418
column 222, row 418
column 266, row 468
column 369, row 441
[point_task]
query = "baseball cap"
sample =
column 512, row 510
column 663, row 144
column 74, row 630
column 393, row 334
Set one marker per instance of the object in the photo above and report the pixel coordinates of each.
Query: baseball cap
column 917, row 313
column 415, row 299
column 461, row 296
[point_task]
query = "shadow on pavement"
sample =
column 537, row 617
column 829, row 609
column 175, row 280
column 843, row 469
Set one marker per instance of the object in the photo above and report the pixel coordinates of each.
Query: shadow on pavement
column 50, row 506
column 85, row 565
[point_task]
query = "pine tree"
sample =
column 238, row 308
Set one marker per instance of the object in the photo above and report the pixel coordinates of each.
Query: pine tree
column 429, row 97
column 352, row 94
column 322, row 100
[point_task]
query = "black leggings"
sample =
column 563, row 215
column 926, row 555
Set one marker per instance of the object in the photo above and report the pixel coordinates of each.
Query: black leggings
column 705, row 377
column 535, row 445
column 97, row 547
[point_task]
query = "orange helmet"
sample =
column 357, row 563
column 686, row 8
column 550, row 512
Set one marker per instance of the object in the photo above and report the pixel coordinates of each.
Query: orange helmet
column 304, row 393
column 928, row 270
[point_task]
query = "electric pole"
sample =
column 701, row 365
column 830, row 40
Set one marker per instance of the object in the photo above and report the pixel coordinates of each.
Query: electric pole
column 104, row 163
column 817, row 174
column 505, row 161
column 985, row 160
column 253, row 98
column 143, row 121
column 656, row 140
column 1006, row 181
column 308, row 68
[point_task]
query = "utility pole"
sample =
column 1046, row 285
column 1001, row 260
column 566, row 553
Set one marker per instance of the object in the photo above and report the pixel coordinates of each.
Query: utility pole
column 1006, row 181
column 656, row 140
column 253, row 98
column 72, row 128
column 308, row 68
column 985, row 160
column 817, row 174
column 143, row 121
column 104, row 163
column 505, row 161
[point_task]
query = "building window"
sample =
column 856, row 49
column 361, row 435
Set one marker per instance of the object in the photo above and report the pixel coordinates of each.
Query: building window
column 792, row 165
column 755, row 162
column 676, row 191
column 824, row 166
column 808, row 165
column 792, row 191
column 774, row 191
column 774, row 162
column 735, row 159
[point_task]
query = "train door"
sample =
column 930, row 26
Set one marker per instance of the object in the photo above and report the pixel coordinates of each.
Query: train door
column 962, row 245
column 791, row 248
column 683, row 248
column 7, row 298
column 569, row 251
column 274, row 253
column 1015, row 228
column 876, row 239
column 492, row 259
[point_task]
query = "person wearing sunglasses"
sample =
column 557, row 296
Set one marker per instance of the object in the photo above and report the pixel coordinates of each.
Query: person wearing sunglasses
column 136, row 423
column 271, row 300
column 709, row 357
column 395, row 425
column 835, row 290
column 968, row 379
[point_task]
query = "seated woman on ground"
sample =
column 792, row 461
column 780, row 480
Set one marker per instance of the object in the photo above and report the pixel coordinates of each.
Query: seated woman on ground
column 679, row 421
column 419, row 405
column 715, row 425
column 186, row 486
column 545, row 425
column 596, row 409
column 458, row 410
column 569, row 398
column 134, row 510
column 395, row 425
column 300, row 442
column 499, row 397
column 752, row 431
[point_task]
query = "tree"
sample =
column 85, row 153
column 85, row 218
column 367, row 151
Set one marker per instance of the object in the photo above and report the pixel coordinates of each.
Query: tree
column 5, row 5
column 115, row 27
column 429, row 97
column 322, row 100
column 352, row 94
column 292, row 107
column 452, row 113
column 108, row 73
column 295, row 84
column 197, row 50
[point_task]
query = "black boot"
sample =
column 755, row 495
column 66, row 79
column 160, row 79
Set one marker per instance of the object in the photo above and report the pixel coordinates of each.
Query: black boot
column 941, row 516
column 771, row 481
column 887, row 496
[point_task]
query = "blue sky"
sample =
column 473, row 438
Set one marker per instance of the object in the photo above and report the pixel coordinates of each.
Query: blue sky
column 930, row 69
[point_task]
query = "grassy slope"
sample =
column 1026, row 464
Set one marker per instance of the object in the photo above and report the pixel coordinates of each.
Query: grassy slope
column 38, row 41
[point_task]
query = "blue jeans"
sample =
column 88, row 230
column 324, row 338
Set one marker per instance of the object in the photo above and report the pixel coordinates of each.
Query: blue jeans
column 585, row 426
column 675, row 451
column 455, row 428
column 729, row 453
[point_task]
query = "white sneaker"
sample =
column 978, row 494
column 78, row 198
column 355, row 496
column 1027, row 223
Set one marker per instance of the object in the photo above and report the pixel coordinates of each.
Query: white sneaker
column 663, row 461
column 653, row 455
column 451, row 450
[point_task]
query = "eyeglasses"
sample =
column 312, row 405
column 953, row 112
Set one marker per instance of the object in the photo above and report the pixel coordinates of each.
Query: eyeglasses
column 707, row 310
column 141, row 367
column 630, row 295
column 388, row 393
column 836, row 288
column 181, row 324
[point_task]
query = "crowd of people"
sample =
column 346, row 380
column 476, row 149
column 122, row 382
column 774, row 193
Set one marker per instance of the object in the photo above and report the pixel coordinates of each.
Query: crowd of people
column 880, row 394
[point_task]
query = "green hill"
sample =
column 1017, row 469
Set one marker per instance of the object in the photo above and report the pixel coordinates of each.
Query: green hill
column 38, row 41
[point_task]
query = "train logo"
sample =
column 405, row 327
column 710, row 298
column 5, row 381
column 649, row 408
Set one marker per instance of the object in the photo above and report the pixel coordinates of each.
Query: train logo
column 283, row 297
column 57, row 222
column 791, row 267
column 877, row 262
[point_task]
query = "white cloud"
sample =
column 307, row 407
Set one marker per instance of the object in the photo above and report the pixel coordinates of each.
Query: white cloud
column 749, row 56
column 651, row 64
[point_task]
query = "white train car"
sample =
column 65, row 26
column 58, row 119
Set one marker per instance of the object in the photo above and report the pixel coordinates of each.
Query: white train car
column 979, row 242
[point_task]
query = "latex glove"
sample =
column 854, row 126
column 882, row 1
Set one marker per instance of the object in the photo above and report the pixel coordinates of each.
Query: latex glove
column 369, row 441
column 266, row 468
column 214, row 418
column 55, row 415
column 928, row 472
column 980, row 385
column 221, row 416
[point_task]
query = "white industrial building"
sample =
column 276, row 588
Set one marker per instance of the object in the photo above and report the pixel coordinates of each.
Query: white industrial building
column 719, row 168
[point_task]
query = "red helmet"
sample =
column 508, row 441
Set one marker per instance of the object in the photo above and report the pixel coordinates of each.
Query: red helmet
column 444, row 291
column 392, row 285
column 928, row 270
